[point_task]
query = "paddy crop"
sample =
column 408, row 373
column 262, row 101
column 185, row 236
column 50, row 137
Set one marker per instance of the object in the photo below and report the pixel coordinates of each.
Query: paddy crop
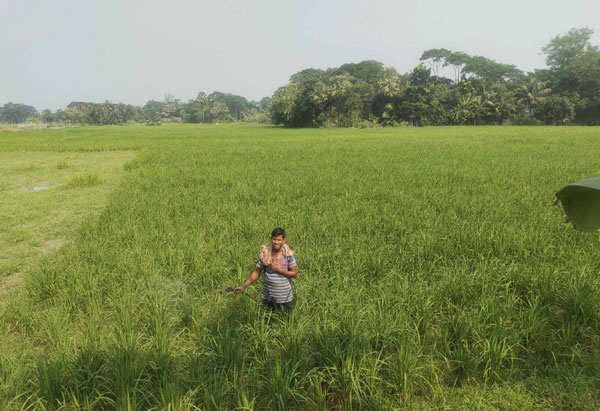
column 434, row 271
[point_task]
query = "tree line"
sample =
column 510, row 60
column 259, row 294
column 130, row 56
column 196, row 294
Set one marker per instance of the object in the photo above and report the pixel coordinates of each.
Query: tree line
column 216, row 107
column 481, row 91
column 368, row 94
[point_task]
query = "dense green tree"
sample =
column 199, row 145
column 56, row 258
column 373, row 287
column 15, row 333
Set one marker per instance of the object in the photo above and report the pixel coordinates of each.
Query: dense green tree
column 195, row 110
column 237, row 105
column 284, row 105
column 265, row 103
column 491, row 71
column 219, row 113
column 369, row 71
column 574, row 72
column 172, row 110
column 76, row 113
column 562, row 51
column 17, row 113
column 152, row 111
column 388, row 94
column 555, row 110
column 457, row 60
column 106, row 113
column 294, row 105
column 305, row 75
column 330, row 95
column 59, row 116
column 423, row 101
column 435, row 58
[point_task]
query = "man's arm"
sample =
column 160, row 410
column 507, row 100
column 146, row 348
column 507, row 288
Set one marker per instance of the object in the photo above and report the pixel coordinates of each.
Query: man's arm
column 253, row 277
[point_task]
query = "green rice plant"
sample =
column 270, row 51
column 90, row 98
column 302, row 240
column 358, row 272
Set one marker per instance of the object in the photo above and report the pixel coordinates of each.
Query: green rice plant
column 281, row 385
column 245, row 397
column 458, row 293
column 567, row 337
column 292, row 343
column 89, row 367
column 332, row 346
column 462, row 363
column 579, row 302
column 317, row 391
column 93, row 401
column 43, row 284
column 545, row 287
column 86, row 180
column 457, row 352
column 354, row 381
column 159, row 320
column 88, row 376
column 374, row 266
column 50, row 380
column 12, row 375
column 225, row 350
column 126, row 359
column 187, row 308
column 497, row 354
column 460, row 329
column 127, row 400
column 421, row 315
column 54, row 330
column 257, row 332
column 23, row 402
column 405, row 371
column 171, row 397
column 216, row 392
column 534, row 326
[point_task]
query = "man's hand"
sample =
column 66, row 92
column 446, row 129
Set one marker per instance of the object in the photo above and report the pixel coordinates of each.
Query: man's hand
column 239, row 290
column 276, row 267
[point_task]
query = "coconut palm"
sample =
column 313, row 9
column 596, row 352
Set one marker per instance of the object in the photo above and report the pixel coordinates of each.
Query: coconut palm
column 530, row 94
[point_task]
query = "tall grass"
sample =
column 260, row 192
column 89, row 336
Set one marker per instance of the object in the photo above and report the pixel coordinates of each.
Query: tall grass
column 433, row 272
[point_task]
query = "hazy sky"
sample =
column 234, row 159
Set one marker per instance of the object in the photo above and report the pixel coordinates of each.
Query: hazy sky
column 57, row 51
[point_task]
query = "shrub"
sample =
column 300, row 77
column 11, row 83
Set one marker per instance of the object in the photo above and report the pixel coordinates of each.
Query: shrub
column 555, row 110
column 87, row 180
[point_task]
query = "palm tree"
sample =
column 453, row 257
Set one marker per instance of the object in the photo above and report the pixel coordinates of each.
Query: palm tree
column 531, row 94
column 390, row 83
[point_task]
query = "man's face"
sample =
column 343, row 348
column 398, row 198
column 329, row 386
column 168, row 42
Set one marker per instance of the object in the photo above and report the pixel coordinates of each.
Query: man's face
column 277, row 242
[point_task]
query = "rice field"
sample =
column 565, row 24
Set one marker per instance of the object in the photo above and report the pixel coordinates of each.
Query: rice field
column 434, row 272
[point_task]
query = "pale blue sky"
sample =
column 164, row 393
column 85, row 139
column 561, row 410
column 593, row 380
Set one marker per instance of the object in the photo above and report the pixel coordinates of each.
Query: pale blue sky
column 57, row 51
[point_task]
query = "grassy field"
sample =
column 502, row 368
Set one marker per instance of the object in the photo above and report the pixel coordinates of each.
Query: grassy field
column 434, row 271
column 45, row 197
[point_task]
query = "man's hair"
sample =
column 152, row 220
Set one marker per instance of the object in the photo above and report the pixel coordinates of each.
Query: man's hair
column 278, row 231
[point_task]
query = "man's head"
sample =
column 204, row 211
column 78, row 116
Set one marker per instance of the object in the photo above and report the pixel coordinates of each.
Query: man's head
column 277, row 238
